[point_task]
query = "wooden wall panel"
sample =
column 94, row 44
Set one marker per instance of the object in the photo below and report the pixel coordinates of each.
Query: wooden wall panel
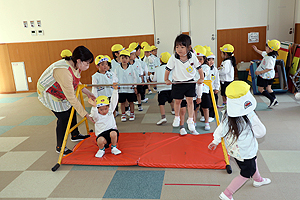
column 186, row 33
column 35, row 56
column 297, row 33
column 7, row 83
column 239, row 39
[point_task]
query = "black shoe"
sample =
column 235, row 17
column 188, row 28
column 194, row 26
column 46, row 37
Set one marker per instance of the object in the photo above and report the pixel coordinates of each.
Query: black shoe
column 106, row 146
column 66, row 152
column 79, row 137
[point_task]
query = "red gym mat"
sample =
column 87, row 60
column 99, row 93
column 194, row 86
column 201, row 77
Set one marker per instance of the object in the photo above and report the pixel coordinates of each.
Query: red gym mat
column 167, row 150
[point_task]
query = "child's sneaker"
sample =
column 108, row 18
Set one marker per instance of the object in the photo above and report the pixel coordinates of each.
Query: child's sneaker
column 182, row 131
column 136, row 103
column 190, row 124
column 123, row 118
column 221, row 106
column 211, row 119
column 144, row 100
column 117, row 113
column 207, row 127
column 202, row 119
column 149, row 92
column 224, row 197
column 140, row 108
column 100, row 153
column 127, row 113
column 264, row 182
column 132, row 117
column 66, row 151
column 79, row 137
column 176, row 122
column 162, row 121
column 172, row 112
column 195, row 132
column 115, row 151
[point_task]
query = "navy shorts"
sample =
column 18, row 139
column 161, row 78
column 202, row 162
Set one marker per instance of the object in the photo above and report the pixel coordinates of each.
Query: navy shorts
column 264, row 82
column 248, row 167
column 184, row 104
column 183, row 89
column 164, row 96
column 106, row 135
column 223, row 87
column 206, row 101
column 130, row 97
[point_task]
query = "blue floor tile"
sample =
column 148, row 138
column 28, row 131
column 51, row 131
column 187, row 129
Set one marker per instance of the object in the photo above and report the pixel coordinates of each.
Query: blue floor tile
column 3, row 129
column 38, row 120
column 33, row 95
column 136, row 185
column 262, row 107
column 10, row 100
column 93, row 168
column 151, row 96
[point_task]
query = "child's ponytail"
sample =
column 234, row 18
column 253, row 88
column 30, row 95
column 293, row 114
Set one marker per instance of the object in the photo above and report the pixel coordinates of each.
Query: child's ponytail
column 232, row 58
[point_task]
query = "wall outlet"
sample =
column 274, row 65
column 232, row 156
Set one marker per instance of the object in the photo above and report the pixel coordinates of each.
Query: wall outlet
column 40, row 32
column 29, row 79
column 33, row 32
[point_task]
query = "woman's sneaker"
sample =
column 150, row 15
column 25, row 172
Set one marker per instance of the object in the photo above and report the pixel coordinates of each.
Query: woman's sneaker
column 66, row 151
column 79, row 137
column 264, row 182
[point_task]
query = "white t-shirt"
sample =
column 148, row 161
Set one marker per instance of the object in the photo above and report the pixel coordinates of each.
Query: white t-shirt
column 159, row 76
column 138, row 70
column 268, row 62
column 213, row 75
column 126, row 76
column 226, row 71
column 183, row 71
column 114, row 63
column 150, row 63
column 107, row 78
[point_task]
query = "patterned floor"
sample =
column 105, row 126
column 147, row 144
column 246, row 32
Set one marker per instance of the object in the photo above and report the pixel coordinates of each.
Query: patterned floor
column 27, row 142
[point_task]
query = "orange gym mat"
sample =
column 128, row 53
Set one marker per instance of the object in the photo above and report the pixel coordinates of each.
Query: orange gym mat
column 167, row 150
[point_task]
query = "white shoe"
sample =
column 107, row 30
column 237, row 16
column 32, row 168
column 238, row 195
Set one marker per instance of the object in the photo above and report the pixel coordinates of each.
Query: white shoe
column 117, row 113
column 210, row 119
column 264, row 182
column 173, row 112
column 202, row 119
column 132, row 117
column 224, row 197
column 195, row 132
column 140, row 108
column 207, row 127
column 176, row 122
column 100, row 153
column 136, row 103
column 190, row 124
column 123, row 118
column 162, row 121
column 149, row 92
column 127, row 113
column 115, row 151
column 182, row 131
column 144, row 100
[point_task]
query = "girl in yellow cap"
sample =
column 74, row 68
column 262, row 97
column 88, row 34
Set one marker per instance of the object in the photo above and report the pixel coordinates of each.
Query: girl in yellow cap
column 240, row 127
column 265, row 71
column 116, row 49
column 226, row 69
column 106, row 129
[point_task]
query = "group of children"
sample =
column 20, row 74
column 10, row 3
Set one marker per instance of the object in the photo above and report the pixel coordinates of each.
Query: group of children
column 184, row 73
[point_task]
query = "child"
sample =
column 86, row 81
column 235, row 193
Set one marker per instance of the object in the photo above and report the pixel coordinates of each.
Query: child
column 149, row 60
column 126, row 74
column 184, row 65
column 265, row 71
column 164, row 91
column 105, row 124
column 116, row 48
column 108, row 62
column 240, row 127
column 156, row 60
column 226, row 70
column 103, row 76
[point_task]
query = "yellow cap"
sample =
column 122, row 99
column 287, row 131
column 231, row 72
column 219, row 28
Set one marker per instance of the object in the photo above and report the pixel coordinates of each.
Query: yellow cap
column 147, row 48
column 130, row 50
column 99, row 59
column 207, row 48
column 133, row 45
column 153, row 47
column 274, row 45
column 144, row 44
column 227, row 48
column 200, row 50
column 142, row 54
column 66, row 53
column 102, row 101
column 237, row 89
column 109, row 59
column 209, row 54
column 164, row 57
column 125, row 53
column 117, row 47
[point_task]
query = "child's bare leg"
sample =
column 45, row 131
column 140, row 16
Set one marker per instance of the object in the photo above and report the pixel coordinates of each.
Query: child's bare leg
column 138, row 96
column 123, row 108
column 172, row 105
column 101, row 141
column 162, row 110
column 206, row 114
column 182, row 115
column 190, row 106
column 131, row 107
column 114, row 138
column 177, row 107
column 195, row 114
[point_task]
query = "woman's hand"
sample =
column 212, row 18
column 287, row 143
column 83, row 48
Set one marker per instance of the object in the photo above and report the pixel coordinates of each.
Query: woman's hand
column 257, row 73
column 115, row 86
column 212, row 146
column 168, row 82
column 92, row 102
column 200, row 81
column 89, row 118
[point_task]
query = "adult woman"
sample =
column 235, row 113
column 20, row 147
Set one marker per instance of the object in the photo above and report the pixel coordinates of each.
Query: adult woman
column 56, row 88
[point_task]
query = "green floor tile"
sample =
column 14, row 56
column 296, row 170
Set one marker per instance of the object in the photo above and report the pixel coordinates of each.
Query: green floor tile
column 3, row 129
column 10, row 100
column 93, row 168
column 38, row 120
column 33, row 95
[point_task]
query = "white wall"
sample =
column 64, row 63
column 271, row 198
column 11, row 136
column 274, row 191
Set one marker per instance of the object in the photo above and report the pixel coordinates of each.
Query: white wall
column 72, row 19
column 241, row 13
column 184, row 6
column 297, row 12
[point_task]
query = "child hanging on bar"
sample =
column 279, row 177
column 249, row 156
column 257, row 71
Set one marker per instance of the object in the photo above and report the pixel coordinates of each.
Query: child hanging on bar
column 105, row 124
